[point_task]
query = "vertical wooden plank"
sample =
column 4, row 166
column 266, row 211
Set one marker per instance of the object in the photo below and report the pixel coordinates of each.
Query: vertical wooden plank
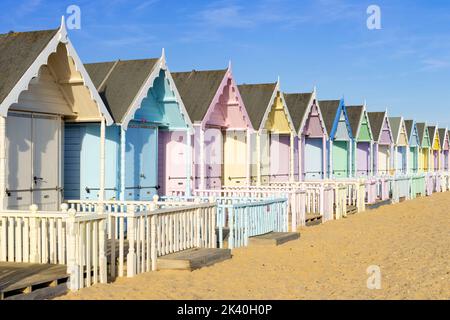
column 18, row 237
column 95, row 251
column 11, row 241
column 26, row 240
column 88, row 226
column 121, row 245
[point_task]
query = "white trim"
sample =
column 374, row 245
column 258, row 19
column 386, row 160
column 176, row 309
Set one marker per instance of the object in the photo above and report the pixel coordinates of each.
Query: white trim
column 180, row 102
column 143, row 93
column 228, row 76
column 42, row 59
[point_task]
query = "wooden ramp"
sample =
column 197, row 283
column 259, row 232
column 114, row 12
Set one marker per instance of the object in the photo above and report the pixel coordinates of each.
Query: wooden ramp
column 313, row 219
column 273, row 238
column 378, row 203
column 192, row 259
column 29, row 281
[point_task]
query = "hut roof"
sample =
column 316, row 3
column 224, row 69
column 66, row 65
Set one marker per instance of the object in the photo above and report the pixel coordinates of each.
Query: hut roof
column 442, row 136
column 354, row 114
column 421, row 127
column 119, row 82
column 395, row 123
column 297, row 104
column 197, row 90
column 256, row 98
column 409, row 127
column 376, row 122
column 329, row 109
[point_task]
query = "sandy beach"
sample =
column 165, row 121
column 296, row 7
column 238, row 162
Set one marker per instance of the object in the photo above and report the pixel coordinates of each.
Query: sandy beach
column 410, row 242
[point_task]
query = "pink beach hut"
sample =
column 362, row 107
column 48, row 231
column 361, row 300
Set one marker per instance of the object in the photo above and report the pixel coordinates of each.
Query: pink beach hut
column 221, row 127
column 383, row 142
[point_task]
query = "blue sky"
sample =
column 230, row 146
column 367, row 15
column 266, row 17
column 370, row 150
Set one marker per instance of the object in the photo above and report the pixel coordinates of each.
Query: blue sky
column 404, row 67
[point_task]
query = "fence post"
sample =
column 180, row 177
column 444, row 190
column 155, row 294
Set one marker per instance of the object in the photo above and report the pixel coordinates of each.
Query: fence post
column 34, row 227
column 197, row 223
column 103, row 265
column 131, row 256
column 72, row 265
column 213, row 243
column 153, row 252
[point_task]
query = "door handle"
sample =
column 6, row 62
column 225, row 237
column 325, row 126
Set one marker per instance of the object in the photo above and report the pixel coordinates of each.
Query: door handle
column 36, row 179
column 142, row 176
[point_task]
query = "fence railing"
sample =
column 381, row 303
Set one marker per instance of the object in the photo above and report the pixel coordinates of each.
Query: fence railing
column 141, row 231
column 57, row 237
column 295, row 210
column 244, row 216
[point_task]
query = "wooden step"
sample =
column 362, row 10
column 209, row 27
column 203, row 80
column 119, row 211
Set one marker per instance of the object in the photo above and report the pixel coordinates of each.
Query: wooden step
column 192, row 259
column 32, row 281
column 313, row 219
column 378, row 203
column 351, row 210
column 273, row 238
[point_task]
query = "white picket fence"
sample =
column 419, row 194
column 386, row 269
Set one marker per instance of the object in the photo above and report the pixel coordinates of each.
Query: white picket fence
column 142, row 231
column 64, row 237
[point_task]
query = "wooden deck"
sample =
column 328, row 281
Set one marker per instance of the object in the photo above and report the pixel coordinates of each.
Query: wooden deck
column 273, row 238
column 32, row 281
column 192, row 259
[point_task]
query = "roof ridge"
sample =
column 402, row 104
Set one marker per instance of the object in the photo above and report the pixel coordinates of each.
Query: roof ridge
column 100, row 86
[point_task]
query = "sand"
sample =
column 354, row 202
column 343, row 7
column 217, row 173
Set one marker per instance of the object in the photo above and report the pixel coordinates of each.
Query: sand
column 410, row 242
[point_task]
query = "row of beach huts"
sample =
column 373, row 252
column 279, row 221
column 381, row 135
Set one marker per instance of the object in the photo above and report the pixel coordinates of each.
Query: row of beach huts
column 116, row 168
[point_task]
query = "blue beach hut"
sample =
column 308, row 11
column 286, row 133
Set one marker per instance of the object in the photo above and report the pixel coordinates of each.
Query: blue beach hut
column 149, row 118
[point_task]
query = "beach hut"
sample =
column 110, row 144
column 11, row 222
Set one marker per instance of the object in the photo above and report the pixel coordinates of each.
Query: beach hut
column 362, row 142
column 147, row 148
column 340, row 138
column 425, row 146
column 221, row 125
column 43, row 86
column 400, row 155
column 414, row 145
column 444, row 141
column 273, row 142
column 310, row 144
column 383, row 141
column 435, row 150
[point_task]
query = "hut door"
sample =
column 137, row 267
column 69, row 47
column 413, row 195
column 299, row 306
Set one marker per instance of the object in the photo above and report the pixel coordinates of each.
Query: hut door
column 340, row 159
column 265, row 157
column 313, row 158
column 279, row 157
column 46, row 161
column 213, row 158
column 148, row 175
column 235, row 158
column 141, row 162
column 19, row 153
column 33, row 161
column 172, row 162
column 383, row 159
column 401, row 159
column 363, row 158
